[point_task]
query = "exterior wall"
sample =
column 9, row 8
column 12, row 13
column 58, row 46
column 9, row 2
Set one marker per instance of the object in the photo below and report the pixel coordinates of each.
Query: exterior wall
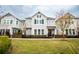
column 71, row 26
column 30, row 26
column 39, row 26
column 50, row 22
column 9, row 18
column 28, row 32
column 28, row 23
column 5, row 23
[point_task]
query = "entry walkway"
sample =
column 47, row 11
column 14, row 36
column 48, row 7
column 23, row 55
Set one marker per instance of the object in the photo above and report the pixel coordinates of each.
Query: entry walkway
column 42, row 38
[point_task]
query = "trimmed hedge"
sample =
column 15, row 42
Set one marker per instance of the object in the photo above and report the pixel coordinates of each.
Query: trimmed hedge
column 34, row 36
column 4, row 44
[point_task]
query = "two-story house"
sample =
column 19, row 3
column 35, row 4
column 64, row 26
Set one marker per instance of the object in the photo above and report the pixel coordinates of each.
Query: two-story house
column 71, row 28
column 40, row 25
column 9, row 25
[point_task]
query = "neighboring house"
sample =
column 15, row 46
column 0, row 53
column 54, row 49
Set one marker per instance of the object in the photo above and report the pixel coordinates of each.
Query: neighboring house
column 77, row 24
column 71, row 29
column 38, row 25
column 9, row 25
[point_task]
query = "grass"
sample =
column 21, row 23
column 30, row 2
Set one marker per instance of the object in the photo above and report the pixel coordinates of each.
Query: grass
column 45, row 46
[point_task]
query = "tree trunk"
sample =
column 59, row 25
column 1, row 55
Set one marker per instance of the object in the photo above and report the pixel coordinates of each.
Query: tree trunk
column 63, row 38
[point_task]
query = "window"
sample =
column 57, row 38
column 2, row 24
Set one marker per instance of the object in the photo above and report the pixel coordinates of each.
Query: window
column 40, row 16
column 16, row 22
column 35, row 31
column 73, row 31
column 37, row 16
column 7, row 21
column 35, row 21
column 42, row 21
column 38, row 31
column 11, row 22
column 42, row 31
column 4, row 21
column 70, row 31
column 66, row 31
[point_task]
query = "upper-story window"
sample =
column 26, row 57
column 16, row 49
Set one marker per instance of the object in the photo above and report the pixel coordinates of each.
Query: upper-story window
column 35, row 21
column 7, row 21
column 42, row 21
column 4, row 21
column 38, row 16
column 38, row 21
column 16, row 22
column 11, row 21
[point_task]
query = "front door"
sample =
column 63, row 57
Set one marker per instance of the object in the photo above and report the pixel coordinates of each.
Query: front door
column 49, row 32
column 8, row 32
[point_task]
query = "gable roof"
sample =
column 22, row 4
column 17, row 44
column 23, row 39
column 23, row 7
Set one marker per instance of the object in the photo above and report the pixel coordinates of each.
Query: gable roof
column 41, row 14
column 9, row 14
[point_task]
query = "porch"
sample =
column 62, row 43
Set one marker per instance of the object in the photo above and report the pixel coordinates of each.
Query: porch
column 51, row 31
column 13, row 32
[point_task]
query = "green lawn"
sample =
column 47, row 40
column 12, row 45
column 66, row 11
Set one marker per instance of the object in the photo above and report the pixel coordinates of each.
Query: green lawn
column 45, row 46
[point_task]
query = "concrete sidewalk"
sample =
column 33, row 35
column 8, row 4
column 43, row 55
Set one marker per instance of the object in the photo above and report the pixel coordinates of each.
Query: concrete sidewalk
column 43, row 38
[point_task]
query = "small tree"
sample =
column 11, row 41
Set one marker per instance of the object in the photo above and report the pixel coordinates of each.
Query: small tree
column 63, row 20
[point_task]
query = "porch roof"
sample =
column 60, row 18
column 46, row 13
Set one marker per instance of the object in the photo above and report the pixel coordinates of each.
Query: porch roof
column 51, row 27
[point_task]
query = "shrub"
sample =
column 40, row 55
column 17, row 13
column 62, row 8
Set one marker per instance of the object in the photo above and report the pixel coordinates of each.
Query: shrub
column 4, row 44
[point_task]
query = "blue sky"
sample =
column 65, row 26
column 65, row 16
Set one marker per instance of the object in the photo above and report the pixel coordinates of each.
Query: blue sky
column 23, row 11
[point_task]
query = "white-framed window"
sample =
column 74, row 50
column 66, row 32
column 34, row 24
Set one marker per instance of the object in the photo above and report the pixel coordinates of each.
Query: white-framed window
column 42, row 21
column 4, row 22
column 7, row 21
column 66, row 31
column 11, row 21
column 38, row 31
column 16, row 22
column 70, row 31
column 35, row 21
column 35, row 31
column 42, row 31
column 38, row 16
column 73, row 30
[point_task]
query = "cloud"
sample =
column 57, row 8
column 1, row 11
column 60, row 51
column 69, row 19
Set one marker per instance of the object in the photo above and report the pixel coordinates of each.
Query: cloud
column 52, row 9
column 23, row 11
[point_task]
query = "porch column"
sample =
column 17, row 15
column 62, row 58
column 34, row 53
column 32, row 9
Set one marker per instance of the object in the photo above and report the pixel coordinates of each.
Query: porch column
column 11, row 32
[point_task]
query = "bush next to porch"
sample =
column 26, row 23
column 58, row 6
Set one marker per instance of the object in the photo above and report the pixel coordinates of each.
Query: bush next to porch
column 4, row 44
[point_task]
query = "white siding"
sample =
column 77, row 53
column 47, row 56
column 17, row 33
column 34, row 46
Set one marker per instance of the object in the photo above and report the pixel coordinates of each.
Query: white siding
column 39, row 26
column 28, row 23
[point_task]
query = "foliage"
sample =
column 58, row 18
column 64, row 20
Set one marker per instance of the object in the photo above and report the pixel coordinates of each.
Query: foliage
column 64, row 21
column 4, row 44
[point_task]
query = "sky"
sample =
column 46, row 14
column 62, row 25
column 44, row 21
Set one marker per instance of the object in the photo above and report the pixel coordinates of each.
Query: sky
column 24, row 11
